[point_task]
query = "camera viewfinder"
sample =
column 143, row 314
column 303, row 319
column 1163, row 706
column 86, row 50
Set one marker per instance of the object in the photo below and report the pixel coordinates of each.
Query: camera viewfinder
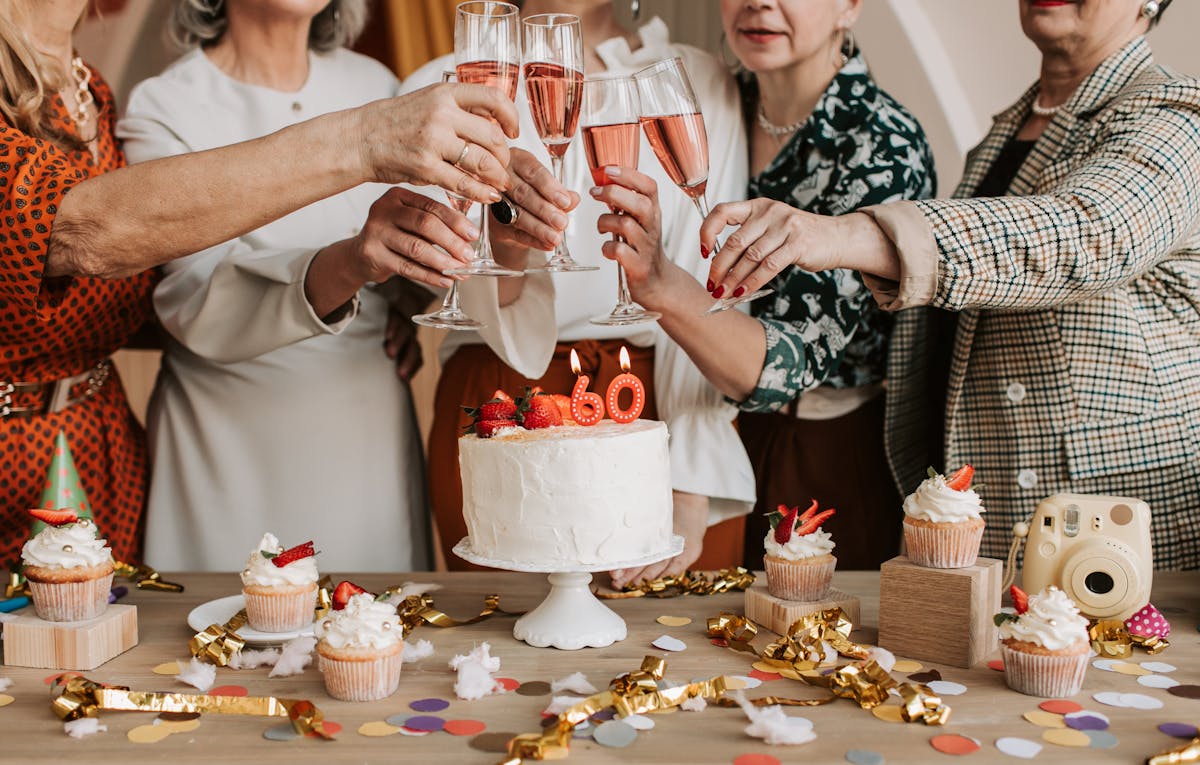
column 1071, row 520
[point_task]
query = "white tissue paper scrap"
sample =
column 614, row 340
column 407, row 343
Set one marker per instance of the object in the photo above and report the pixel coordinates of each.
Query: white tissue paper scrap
column 198, row 675
column 412, row 588
column 576, row 683
column 294, row 657
column 5, row 683
column 84, row 726
column 422, row 649
column 475, row 673
column 251, row 659
column 773, row 726
column 694, row 704
column 883, row 657
column 560, row 704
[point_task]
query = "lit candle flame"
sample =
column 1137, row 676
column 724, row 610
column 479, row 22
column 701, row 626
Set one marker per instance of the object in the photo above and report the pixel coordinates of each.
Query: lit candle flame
column 575, row 361
column 624, row 359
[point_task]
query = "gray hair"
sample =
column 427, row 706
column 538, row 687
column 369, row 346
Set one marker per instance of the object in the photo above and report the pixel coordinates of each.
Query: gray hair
column 203, row 22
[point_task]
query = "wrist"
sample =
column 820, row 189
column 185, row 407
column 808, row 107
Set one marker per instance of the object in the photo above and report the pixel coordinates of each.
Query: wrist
column 862, row 245
column 670, row 291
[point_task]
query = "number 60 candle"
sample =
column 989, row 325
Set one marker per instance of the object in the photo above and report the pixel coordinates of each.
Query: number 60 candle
column 586, row 408
column 620, row 383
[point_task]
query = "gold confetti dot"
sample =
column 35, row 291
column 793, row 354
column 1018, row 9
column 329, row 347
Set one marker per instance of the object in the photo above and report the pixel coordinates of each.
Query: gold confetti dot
column 1125, row 668
column 377, row 728
column 673, row 621
column 907, row 665
column 1067, row 737
column 170, row 668
column 5, row 699
column 734, row 683
column 1044, row 719
column 762, row 666
column 148, row 734
column 888, row 713
column 179, row 726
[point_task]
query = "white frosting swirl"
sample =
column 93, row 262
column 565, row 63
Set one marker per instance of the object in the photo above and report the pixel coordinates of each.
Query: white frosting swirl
column 71, row 546
column 363, row 623
column 261, row 571
column 819, row 542
column 1052, row 621
column 935, row 501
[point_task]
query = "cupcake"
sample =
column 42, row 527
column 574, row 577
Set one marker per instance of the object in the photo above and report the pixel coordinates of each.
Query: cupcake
column 1044, row 644
column 799, row 560
column 280, row 586
column 68, row 569
column 359, row 646
column 943, row 522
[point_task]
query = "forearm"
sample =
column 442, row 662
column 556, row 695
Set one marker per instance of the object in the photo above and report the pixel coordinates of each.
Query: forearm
column 863, row 246
column 141, row 216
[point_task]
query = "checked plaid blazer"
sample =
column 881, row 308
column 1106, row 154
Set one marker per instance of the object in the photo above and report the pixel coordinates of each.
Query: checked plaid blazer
column 1076, row 363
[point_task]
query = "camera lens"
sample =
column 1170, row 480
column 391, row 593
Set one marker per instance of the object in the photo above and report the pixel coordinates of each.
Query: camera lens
column 1099, row 582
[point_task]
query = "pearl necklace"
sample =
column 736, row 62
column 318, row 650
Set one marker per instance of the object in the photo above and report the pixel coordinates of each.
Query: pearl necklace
column 778, row 131
column 1044, row 111
column 83, row 95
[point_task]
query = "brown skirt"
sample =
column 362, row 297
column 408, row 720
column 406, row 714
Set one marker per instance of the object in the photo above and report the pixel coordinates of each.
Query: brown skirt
column 841, row 463
column 474, row 372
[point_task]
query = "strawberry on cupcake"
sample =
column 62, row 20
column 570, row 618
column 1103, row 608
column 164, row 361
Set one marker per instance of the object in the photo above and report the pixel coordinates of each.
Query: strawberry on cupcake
column 280, row 586
column 799, row 555
column 1044, row 644
column 69, row 570
column 359, row 646
column 943, row 521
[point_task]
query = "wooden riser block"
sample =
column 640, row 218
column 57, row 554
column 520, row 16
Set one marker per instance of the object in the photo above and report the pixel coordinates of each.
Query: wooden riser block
column 777, row 614
column 33, row 642
column 941, row 615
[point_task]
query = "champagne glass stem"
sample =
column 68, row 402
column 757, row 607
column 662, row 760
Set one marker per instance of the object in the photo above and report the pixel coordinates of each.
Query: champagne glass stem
column 560, row 249
column 623, row 299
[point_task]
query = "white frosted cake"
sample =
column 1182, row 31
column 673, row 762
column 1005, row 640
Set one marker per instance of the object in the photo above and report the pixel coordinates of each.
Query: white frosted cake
column 574, row 494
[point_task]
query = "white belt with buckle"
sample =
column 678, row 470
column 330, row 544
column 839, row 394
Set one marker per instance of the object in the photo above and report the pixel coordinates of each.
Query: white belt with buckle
column 56, row 394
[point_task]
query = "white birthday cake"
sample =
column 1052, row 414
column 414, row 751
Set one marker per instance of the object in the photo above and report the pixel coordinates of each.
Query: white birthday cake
column 570, row 494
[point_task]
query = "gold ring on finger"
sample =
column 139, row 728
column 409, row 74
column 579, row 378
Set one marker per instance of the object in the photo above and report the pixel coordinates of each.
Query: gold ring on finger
column 462, row 155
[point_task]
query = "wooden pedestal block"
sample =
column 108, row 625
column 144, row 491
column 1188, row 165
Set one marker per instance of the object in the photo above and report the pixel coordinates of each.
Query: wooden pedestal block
column 941, row 615
column 777, row 614
column 33, row 642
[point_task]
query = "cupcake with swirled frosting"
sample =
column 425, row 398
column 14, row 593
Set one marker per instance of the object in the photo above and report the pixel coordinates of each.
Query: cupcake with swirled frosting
column 798, row 555
column 1044, row 644
column 943, row 521
column 69, row 569
column 280, row 586
column 359, row 646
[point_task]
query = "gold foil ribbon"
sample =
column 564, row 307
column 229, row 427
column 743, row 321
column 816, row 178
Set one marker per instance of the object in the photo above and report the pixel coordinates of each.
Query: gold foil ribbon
column 17, row 586
column 687, row 583
column 1189, row 752
column 1111, row 639
column 80, row 697
column 219, row 643
column 145, row 578
column 416, row 610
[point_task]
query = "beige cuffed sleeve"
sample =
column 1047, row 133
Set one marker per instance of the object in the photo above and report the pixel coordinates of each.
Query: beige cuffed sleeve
column 905, row 225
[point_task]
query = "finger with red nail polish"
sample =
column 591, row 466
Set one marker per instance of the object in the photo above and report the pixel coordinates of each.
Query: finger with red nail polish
column 719, row 291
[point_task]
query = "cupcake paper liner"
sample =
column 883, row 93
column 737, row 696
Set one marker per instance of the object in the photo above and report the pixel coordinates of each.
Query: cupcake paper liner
column 70, row 601
column 1049, row 676
column 798, row 580
column 371, row 680
column 280, row 611
column 944, row 545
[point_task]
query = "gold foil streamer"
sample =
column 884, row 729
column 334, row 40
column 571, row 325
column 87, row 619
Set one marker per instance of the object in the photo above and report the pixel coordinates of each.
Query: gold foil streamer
column 737, row 631
column 1151, row 644
column 145, row 578
column 16, row 587
column 324, row 598
column 1186, row 753
column 416, row 610
column 80, row 697
column 919, row 704
column 219, row 643
column 1111, row 639
column 687, row 583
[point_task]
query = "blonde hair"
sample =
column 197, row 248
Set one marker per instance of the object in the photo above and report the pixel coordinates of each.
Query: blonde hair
column 203, row 22
column 28, row 80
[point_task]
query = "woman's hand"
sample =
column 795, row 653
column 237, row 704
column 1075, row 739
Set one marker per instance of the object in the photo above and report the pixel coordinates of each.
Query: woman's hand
column 419, row 138
column 542, row 203
column 401, row 344
column 690, row 522
column 636, row 195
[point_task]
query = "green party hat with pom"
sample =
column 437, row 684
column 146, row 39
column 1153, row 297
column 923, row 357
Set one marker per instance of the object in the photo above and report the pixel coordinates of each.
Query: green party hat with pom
column 63, row 487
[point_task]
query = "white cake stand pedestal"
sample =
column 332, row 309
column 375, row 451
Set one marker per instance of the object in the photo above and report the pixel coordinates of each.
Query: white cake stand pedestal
column 570, row 617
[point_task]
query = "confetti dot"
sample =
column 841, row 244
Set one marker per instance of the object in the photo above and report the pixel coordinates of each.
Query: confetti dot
column 926, row 677
column 496, row 743
column 5, row 699
column 1185, row 691
column 1142, row 701
column 169, row 668
column 1086, row 721
column 1045, row 719
column 465, row 727
column 180, row 726
column 429, row 705
column 397, row 720
column 755, row 759
column 534, row 688
column 1067, row 737
column 720, row 642
column 906, row 665
column 406, row 731
column 50, row 679
column 330, row 728
column 148, row 734
column 1060, row 706
column 614, row 733
column 1102, row 739
column 1158, row 666
column 952, row 743
column 425, row 722
column 1109, row 698
column 947, row 688
column 638, row 722
column 1179, row 730
column 996, row 664
column 864, row 757
column 281, row 732
column 1105, row 664
column 377, row 728
column 1126, row 668
column 228, row 690
column 508, row 683
column 668, row 643
column 1018, row 747
column 1157, row 681
column 766, row 677
column 887, row 713
column 741, row 682
column 673, row 621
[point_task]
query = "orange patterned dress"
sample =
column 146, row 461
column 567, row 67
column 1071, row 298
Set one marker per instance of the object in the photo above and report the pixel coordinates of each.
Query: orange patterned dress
column 52, row 328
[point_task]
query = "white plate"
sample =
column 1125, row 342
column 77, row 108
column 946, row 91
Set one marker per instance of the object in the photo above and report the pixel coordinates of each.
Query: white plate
column 222, row 610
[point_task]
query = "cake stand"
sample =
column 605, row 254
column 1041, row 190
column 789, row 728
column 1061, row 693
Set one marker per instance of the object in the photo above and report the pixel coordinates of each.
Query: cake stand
column 571, row 617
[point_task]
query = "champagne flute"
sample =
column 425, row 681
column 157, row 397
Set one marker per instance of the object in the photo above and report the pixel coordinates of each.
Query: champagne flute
column 487, row 52
column 553, row 65
column 675, row 129
column 450, row 316
column 611, row 137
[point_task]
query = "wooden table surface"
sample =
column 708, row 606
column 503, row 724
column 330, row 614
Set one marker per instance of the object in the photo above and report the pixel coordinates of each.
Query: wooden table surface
column 29, row 732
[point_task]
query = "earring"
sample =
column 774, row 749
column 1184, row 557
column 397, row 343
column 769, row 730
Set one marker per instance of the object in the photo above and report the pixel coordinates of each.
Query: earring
column 635, row 7
column 848, row 46
column 1150, row 9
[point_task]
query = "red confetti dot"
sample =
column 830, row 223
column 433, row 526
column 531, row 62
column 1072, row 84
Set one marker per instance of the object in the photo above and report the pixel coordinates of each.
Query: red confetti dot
column 952, row 743
column 331, row 728
column 508, row 683
column 1060, row 706
column 755, row 759
column 720, row 642
column 766, row 677
column 49, row 679
column 464, row 727
column 228, row 690
column 996, row 664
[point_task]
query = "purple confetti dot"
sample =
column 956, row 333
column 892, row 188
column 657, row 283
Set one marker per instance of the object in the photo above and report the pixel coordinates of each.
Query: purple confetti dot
column 1086, row 722
column 429, row 705
column 1178, row 729
column 425, row 722
column 604, row 715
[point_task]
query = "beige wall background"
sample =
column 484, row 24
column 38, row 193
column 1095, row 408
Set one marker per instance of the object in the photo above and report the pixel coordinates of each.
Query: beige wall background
column 953, row 63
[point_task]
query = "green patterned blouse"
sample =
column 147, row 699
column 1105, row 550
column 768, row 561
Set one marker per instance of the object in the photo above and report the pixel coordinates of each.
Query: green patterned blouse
column 858, row 148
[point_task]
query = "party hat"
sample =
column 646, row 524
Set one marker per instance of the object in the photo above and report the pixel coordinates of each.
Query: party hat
column 63, row 488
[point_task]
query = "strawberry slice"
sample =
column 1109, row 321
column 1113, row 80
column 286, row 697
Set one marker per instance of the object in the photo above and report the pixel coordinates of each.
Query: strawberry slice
column 489, row 428
column 814, row 523
column 500, row 395
column 343, row 592
column 1019, row 598
column 783, row 531
column 54, row 517
column 293, row 554
column 961, row 480
column 809, row 513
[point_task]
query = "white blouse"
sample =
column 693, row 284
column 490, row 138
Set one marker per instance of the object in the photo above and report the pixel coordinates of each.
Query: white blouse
column 707, row 456
column 264, row 418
